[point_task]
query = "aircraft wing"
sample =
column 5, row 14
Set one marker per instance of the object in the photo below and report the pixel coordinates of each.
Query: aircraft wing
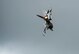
column 50, row 14
column 41, row 17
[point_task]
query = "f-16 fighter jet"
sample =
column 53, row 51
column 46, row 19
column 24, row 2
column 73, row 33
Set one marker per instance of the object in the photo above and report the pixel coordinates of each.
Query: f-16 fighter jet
column 47, row 19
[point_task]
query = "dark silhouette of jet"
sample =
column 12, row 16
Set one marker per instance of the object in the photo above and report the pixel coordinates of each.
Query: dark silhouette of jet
column 47, row 19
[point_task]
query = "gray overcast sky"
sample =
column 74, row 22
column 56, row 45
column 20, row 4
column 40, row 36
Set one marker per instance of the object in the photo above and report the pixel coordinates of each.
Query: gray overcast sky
column 21, row 29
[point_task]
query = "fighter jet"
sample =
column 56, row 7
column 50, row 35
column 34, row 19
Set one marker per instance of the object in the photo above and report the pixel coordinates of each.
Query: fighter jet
column 47, row 19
